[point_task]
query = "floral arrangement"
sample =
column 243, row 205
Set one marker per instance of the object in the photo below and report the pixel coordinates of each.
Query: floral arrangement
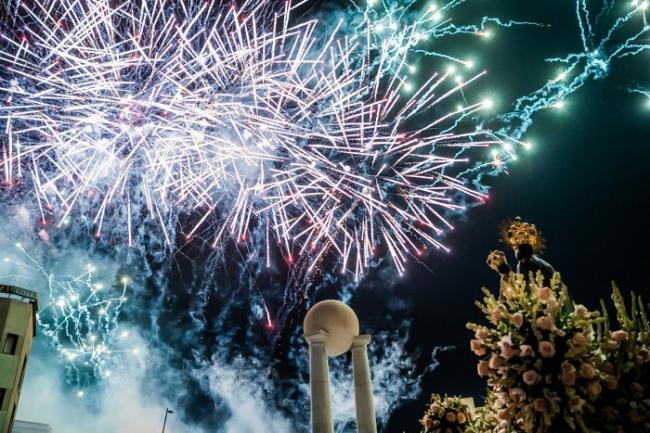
column 446, row 415
column 625, row 403
column 552, row 366
column 540, row 356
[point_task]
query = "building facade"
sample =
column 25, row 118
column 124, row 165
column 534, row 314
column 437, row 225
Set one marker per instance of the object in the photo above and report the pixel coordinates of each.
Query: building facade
column 18, row 308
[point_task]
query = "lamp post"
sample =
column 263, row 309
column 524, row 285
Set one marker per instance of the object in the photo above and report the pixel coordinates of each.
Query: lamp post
column 167, row 412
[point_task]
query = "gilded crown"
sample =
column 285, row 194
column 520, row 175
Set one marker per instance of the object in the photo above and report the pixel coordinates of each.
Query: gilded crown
column 496, row 259
column 520, row 233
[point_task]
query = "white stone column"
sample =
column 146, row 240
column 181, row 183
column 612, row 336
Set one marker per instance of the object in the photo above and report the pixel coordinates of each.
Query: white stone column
column 319, row 380
column 366, row 422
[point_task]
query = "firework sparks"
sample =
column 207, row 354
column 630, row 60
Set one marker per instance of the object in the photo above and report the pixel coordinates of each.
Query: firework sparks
column 238, row 116
column 608, row 33
column 79, row 316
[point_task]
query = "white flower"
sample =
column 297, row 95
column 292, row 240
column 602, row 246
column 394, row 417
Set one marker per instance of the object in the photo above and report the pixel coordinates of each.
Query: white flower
column 517, row 319
column 581, row 312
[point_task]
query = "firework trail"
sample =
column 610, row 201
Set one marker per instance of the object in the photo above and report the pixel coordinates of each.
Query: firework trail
column 606, row 36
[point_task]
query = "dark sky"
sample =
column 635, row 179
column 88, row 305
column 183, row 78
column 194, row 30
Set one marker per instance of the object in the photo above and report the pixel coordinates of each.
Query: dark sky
column 586, row 184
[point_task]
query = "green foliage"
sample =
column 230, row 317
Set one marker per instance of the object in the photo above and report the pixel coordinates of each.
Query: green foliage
column 554, row 366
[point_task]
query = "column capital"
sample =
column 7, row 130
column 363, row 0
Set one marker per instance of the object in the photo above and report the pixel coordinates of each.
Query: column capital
column 317, row 337
column 360, row 341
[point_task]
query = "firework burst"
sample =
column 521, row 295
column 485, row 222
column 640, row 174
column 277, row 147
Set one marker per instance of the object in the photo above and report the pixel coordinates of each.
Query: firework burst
column 306, row 140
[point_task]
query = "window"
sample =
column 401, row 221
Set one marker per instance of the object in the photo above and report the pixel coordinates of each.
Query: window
column 11, row 342
column 2, row 397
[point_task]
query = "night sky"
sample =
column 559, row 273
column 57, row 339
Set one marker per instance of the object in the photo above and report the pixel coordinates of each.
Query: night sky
column 586, row 185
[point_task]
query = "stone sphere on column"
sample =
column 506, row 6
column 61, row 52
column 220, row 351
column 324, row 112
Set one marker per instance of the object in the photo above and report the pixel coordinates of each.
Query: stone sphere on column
column 338, row 320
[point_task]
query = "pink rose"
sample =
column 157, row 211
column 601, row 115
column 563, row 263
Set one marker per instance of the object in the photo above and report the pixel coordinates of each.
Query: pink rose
column 427, row 422
column 587, row 370
column 477, row 347
column 613, row 344
column 526, row 350
column 619, row 336
column 517, row 394
column 505, row 344
column 496, row 315
column 593, row 389
column 531, row 377
column 568, row 375
column 580, row 340
column 546, row 349
column 544, row 293
column 482, row 369
column 540, row 404
column 481, row 334
column 507, row 351
column 517, row 320
column 568, row 378
column 545, row 323
column 495, row 362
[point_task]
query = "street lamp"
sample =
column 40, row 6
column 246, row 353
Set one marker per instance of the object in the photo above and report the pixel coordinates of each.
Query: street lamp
column 167, row 412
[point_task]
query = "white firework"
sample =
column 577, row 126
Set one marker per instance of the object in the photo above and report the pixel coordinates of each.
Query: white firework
column 239, row 116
